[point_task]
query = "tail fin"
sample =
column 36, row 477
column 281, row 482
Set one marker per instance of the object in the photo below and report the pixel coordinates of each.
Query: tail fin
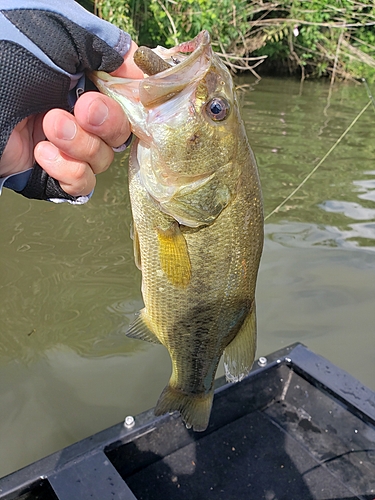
column 195, row 409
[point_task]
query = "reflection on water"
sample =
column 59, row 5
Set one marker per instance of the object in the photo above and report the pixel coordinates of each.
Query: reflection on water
column 69, row 287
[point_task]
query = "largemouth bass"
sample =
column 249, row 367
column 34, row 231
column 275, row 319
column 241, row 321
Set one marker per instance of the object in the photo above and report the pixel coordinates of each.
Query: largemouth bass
column 197, row 220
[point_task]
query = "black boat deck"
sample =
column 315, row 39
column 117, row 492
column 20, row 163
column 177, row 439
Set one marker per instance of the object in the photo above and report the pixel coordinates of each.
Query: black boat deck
column 297, row 428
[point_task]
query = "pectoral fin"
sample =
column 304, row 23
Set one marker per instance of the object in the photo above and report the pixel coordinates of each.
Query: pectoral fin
column 174, row 255
column 141, row 330
column 136, row 247
column 240, row 353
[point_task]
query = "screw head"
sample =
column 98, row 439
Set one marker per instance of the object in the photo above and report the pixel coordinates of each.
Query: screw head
column 129, row 422
column 262, row 361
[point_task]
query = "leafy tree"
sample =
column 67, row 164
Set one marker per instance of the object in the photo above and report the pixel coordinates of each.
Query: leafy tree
column 333, row 38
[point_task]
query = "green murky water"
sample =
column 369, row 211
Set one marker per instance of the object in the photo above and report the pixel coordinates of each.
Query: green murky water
column 69, row 288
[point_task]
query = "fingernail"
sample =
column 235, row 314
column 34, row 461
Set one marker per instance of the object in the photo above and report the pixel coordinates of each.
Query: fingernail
column 49, row 151
column 97, row 113
column 67, row 129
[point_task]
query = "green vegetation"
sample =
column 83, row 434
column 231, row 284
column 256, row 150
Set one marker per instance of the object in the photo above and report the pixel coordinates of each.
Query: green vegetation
column 316, row 38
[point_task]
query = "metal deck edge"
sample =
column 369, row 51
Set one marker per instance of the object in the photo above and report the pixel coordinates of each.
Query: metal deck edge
column 92, row 478
column 60, row 467
column 340, row 384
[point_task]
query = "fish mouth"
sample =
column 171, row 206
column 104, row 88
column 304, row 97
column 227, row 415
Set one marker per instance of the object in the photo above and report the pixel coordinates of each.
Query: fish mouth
column 189, row 62
column 185, row 70
column 177, row 55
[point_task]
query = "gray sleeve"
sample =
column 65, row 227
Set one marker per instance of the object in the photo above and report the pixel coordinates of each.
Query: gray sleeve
column 72, row 11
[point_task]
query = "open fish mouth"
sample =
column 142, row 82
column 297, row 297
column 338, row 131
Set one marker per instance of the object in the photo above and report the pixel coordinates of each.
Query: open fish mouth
column 159, row 59
column 185, row 64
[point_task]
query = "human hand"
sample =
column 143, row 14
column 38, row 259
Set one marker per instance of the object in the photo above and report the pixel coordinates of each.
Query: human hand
column 79, row 146
column 45, row 54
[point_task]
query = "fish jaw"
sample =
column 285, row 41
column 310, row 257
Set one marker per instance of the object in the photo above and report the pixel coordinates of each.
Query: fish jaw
column 163, row 86
column 126, row 92
column 134, row 95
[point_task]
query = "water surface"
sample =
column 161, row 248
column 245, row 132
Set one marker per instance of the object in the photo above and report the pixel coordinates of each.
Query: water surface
column 69, row 287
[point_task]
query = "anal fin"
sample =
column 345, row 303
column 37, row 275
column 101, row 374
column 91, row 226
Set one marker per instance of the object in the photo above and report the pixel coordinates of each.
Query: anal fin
column 140, row 330
column 240, row 353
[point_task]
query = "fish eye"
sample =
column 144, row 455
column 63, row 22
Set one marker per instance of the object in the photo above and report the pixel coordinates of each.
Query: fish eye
column 217, row 109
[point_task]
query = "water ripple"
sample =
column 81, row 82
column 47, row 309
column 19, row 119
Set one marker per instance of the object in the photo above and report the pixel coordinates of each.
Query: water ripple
column 349, row 209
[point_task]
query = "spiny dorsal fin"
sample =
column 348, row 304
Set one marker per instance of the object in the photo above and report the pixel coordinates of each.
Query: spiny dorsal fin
column 240, row 353
column 140, row 330
column 174, row 255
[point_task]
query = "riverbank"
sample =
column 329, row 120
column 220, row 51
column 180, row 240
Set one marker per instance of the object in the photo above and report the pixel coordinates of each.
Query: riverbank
column 315, row 38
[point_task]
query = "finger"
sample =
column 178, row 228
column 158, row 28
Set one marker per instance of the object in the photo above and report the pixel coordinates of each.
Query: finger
column 16, row 156
column 18, row 153
column 104, row 117
column 62, row 129
column 75, row 177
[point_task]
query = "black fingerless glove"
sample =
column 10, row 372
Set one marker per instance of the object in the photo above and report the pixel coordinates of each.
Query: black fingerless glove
column 45, row 48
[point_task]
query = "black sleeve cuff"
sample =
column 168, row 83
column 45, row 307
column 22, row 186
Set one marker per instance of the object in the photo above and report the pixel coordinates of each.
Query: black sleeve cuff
column 41, row 186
